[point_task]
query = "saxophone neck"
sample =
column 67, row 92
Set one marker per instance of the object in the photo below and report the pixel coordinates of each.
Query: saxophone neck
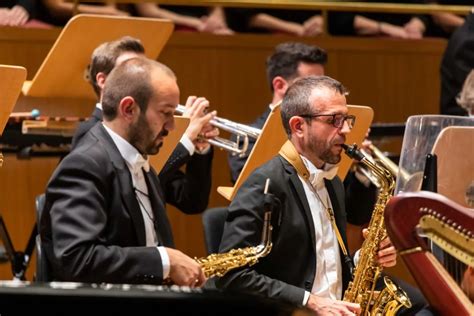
column 266, row 241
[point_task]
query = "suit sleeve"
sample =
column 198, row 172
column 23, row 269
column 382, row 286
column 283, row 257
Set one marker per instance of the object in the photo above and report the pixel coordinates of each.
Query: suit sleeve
column 178, row 158
column 77, row 210
column 243, row 228
column 189, row 191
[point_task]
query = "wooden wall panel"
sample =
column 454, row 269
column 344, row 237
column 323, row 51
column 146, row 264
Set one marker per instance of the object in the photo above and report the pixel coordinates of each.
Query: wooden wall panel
column 397, row 78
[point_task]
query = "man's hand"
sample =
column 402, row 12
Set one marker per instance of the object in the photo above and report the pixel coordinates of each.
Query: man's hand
column 326, row 306
column 387, row 255
column 184, row 270
column 199, row 127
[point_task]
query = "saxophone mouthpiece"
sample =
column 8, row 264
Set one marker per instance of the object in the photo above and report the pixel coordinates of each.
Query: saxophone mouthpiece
column 353, row 152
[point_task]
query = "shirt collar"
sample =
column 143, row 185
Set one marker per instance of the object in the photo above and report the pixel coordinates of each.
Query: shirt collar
column 130, row 154
column 316, row 175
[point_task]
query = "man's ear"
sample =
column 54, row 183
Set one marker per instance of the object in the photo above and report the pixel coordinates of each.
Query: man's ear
column 100, row 79
column 280, row 85
column 128, row 107
column 297, row 126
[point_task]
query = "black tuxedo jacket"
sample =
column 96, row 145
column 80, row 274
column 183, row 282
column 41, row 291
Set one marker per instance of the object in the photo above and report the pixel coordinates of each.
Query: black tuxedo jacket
column 188, row 191
column 290, row 267
column 91, row 227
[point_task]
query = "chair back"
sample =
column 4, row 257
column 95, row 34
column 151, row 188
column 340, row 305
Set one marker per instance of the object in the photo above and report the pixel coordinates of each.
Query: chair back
column 213, row 220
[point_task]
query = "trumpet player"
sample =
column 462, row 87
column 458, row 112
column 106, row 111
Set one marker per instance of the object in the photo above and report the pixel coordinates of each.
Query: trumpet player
column 309, row 263
column 188, row 191
column 289, row 61
column 104, row 218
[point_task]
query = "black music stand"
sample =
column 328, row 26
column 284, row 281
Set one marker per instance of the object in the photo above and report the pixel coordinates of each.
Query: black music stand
column 19, row 260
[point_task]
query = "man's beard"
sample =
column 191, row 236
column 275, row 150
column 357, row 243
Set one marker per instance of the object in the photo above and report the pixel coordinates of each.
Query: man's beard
column 323, row 151
column 140, row 137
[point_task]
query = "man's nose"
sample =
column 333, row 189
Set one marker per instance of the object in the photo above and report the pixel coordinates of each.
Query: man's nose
column 345, row 129
column 170, row 124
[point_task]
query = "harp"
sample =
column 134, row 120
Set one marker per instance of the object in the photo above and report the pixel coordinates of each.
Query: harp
column 412, row 217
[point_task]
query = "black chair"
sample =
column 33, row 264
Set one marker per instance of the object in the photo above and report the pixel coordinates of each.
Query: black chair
column 43, row 273
column 213, row 220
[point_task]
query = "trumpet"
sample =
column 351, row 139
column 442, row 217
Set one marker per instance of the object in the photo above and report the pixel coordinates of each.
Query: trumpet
column 241, row 131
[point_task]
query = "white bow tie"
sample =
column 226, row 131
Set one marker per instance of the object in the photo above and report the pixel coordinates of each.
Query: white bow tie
column 317, row 178
column 141, row 162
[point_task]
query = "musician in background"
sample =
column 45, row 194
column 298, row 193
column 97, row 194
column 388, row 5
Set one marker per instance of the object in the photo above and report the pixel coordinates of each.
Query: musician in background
column 308, row 264
column 289, row 61
column 188, row 191
column 104, row 218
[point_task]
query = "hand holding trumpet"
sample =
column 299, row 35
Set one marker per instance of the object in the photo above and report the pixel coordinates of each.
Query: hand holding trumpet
column 199, row 129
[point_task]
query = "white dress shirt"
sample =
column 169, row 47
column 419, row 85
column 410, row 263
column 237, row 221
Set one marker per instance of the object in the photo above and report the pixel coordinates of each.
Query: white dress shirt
column 137, row 164
column 328, row 278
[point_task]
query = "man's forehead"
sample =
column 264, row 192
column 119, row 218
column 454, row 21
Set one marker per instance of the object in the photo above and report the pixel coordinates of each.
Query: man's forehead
column 309, row 69
column 323, row 99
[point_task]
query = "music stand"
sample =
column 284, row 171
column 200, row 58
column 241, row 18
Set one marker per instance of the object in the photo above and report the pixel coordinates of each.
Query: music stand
column 61, row 75
column 11, row 81
column 273, row 136
column 455, row 153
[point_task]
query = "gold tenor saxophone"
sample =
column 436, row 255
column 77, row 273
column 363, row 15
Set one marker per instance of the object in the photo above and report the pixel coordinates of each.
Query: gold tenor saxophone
column 216, row 265
column 361, row 289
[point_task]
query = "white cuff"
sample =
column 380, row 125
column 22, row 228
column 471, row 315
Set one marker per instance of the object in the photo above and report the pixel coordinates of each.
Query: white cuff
column 187, row 143
column 356, row 257
column 165, row 261
column 306, row 298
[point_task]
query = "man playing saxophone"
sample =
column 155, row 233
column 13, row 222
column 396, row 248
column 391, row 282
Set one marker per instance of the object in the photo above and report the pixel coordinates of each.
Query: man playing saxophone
column 309, row 264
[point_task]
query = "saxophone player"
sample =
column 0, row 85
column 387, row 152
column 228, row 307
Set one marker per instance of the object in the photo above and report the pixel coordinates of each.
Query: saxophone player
column 309, row 264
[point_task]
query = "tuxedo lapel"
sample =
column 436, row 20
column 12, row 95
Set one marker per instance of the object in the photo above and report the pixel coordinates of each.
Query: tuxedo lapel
column 124, row 177
column 303, row 201
column 162, row 225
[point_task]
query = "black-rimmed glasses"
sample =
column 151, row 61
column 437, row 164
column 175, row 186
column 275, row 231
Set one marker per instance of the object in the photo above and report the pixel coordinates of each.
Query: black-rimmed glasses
column 337, row 120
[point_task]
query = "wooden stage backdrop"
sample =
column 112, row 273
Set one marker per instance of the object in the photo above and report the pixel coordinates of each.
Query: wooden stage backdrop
column 398, row 78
